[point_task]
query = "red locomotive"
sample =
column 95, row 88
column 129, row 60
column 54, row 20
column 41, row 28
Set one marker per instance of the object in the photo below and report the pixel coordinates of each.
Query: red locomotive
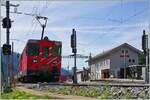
column 40, row 61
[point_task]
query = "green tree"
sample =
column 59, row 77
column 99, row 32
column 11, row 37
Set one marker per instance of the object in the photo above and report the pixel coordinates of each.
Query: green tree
column 142, row 59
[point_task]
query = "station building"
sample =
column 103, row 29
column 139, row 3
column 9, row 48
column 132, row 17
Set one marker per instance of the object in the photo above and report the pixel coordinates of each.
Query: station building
column 116, row 63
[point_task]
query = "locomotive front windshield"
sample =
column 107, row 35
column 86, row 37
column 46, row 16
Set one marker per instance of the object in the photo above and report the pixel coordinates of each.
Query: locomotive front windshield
column 57, row 50
column 45, row 52
column 33, row 50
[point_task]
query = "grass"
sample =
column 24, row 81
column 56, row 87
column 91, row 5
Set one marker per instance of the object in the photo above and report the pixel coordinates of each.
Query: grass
column 79, row 91
column 15, row 94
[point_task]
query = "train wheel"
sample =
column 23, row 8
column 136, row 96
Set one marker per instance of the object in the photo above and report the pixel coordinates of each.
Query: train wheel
column 56, row 78
column 21, row 79
column 25, row 79
column 55, row 74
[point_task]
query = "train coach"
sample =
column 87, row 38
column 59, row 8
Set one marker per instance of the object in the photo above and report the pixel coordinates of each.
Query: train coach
column 40, row 61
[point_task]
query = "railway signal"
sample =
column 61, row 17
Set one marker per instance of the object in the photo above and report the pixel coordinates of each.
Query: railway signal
column 6, row 49
column 5, row 23
column 73, row 41
column 74, row 50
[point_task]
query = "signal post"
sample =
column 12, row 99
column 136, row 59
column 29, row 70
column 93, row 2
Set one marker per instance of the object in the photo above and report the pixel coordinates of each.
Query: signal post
column 6, row 49
column 74, row 50
column 7, row 46
column 146, row 54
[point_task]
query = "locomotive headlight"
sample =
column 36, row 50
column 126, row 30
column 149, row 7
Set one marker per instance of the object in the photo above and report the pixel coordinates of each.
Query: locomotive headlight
column 54, row 62
column 35, row 60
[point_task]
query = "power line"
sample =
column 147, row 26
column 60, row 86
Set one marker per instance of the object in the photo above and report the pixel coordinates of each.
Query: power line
column 33, row 26
column 44, row 7
column 126, row 20
column 32, row 22
column 136, row 14
column 38, row 19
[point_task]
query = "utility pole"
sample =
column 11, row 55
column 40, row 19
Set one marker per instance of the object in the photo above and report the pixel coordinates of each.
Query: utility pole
column 75, row 69
column 7, row 42
column 7, row 47
column 90, row 63
column 12, row 71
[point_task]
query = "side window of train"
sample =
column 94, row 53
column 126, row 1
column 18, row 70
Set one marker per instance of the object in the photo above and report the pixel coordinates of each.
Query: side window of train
column 56, row 50
column 45, row 52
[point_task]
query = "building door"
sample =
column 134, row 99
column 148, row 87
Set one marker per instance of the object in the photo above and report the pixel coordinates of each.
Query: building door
column 105, row 73
column 121, row 72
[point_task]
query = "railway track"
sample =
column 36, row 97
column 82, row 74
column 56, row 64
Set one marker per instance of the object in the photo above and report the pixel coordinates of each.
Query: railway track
column 72, row 89
column 83, row 84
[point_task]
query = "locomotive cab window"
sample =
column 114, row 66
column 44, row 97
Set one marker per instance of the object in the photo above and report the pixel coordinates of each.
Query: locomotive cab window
column 56, row 50
column 45, row 52
column 33, row 50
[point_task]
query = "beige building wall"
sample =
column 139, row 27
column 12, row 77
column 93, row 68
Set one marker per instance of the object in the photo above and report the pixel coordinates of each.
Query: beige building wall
column 114, row 62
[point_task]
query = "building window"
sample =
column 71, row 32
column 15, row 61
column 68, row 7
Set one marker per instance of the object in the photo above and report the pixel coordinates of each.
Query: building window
column 100, row 64
column 97, row 66
column 108, row 62
column 124, row 51
column 133, row 60
column 129, row 60
column 104, row 62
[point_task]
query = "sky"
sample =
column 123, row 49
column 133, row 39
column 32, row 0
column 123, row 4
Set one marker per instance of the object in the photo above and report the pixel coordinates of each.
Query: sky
column 100, row 24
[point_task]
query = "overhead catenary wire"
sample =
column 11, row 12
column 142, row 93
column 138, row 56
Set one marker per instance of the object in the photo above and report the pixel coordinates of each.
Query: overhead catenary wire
column 105, row 17
column 119, row 24
column 37, row 16
column 44, row 7
column 123, row 22
column 30, row 14
column 33, row 26
column 32, row 22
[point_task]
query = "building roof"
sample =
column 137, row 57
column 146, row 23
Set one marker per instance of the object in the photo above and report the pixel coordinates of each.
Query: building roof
column 79, row 70
column 115, row 49
column 82, row 70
